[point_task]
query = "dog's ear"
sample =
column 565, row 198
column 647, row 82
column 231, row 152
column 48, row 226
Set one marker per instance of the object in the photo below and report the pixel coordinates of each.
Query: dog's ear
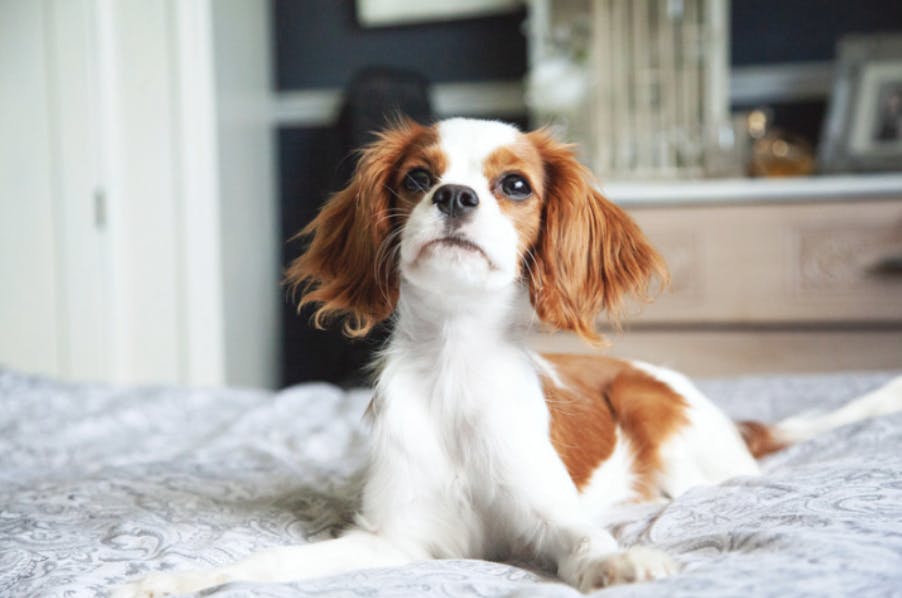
column 348, row 269
column 590, row 255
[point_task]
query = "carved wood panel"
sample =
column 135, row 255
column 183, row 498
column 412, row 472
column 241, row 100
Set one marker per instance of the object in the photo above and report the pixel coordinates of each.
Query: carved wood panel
column 840, row 258
column 777, row 264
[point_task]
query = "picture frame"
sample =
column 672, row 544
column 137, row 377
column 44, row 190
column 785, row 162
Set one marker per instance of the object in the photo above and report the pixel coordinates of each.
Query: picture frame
column 863, row 128
column 384, row 13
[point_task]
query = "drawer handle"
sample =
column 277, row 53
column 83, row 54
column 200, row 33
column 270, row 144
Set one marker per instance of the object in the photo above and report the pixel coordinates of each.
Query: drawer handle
column 889, row 265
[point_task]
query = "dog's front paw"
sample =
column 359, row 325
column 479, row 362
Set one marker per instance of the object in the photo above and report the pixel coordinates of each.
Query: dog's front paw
column 156, row 585
column 638, row 563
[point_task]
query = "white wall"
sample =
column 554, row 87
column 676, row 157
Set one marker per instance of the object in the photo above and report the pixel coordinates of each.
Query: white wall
column 247, row 184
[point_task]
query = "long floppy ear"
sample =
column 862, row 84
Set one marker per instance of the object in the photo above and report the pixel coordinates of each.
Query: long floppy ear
column 590, row 255
column 347, row 268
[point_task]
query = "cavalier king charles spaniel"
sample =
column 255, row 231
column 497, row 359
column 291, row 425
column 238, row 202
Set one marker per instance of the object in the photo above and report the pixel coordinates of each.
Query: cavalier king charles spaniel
column 467, row 233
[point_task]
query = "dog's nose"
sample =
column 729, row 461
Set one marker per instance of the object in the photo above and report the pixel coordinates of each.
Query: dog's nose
column 455, row 200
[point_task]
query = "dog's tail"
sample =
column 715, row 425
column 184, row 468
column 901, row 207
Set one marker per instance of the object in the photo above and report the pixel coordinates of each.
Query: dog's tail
column 764, row 439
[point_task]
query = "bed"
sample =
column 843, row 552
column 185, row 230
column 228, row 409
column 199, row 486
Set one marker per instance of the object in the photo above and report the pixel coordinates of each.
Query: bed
column 99, row 484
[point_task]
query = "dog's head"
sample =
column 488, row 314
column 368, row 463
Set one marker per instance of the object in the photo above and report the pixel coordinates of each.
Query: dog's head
column 466, row 208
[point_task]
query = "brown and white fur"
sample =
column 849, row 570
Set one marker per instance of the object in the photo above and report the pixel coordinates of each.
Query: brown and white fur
column 467, row 232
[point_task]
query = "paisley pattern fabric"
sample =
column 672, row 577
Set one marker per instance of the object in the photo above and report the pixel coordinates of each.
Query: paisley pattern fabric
column 99, row 484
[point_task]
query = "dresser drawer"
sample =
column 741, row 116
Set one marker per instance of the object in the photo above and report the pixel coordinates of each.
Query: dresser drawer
column 777, row 263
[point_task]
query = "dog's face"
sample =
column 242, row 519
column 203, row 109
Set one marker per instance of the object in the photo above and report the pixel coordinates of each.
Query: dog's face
column 468, row 207
column 474, row 198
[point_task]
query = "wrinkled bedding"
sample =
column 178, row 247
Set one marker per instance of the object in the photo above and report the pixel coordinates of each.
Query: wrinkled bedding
column 99, row 484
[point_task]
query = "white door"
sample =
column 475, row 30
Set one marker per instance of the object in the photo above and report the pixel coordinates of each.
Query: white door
column 51, row 223
column 137, row 213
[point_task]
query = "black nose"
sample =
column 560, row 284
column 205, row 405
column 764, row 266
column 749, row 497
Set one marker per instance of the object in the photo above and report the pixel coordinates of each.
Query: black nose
column 455, row 200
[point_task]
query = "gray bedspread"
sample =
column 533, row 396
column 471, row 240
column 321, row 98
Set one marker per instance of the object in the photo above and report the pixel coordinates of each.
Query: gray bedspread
column 99, row 484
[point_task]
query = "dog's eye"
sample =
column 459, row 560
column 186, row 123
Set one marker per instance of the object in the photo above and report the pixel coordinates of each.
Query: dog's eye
column 418, row 180
column 515, row 187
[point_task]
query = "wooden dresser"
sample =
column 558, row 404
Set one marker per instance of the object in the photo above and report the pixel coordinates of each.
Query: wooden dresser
column 768, row 276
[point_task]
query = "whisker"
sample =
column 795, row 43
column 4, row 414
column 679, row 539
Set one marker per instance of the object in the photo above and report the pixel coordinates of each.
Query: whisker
column 387, row 271
column 393, row 192
column 391, row 213
column 386, row 244
column 383, row 262
column 529, row 261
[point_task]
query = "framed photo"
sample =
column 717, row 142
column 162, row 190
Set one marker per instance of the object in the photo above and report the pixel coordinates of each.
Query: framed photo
column 863, row 129
column 380, row 13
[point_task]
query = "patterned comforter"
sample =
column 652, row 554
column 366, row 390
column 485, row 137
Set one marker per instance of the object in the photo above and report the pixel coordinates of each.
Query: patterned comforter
column 99, row 484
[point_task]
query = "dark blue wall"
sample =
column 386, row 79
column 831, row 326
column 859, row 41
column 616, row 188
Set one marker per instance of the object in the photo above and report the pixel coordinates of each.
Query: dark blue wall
column 319, row 43
column 775, row 31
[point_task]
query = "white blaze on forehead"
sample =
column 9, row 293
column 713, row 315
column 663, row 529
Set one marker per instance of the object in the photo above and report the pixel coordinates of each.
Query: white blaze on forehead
column 467, row 142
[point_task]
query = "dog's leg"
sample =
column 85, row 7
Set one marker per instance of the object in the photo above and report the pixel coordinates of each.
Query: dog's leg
column 357, row 549
column 545, row 515
column 589, row 558
column 635, row 564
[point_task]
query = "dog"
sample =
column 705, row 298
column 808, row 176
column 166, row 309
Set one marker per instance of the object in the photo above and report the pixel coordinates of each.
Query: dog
column 467, row 233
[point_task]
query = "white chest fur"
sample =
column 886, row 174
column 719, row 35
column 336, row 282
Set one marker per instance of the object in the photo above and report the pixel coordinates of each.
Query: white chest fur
column 460, row 436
